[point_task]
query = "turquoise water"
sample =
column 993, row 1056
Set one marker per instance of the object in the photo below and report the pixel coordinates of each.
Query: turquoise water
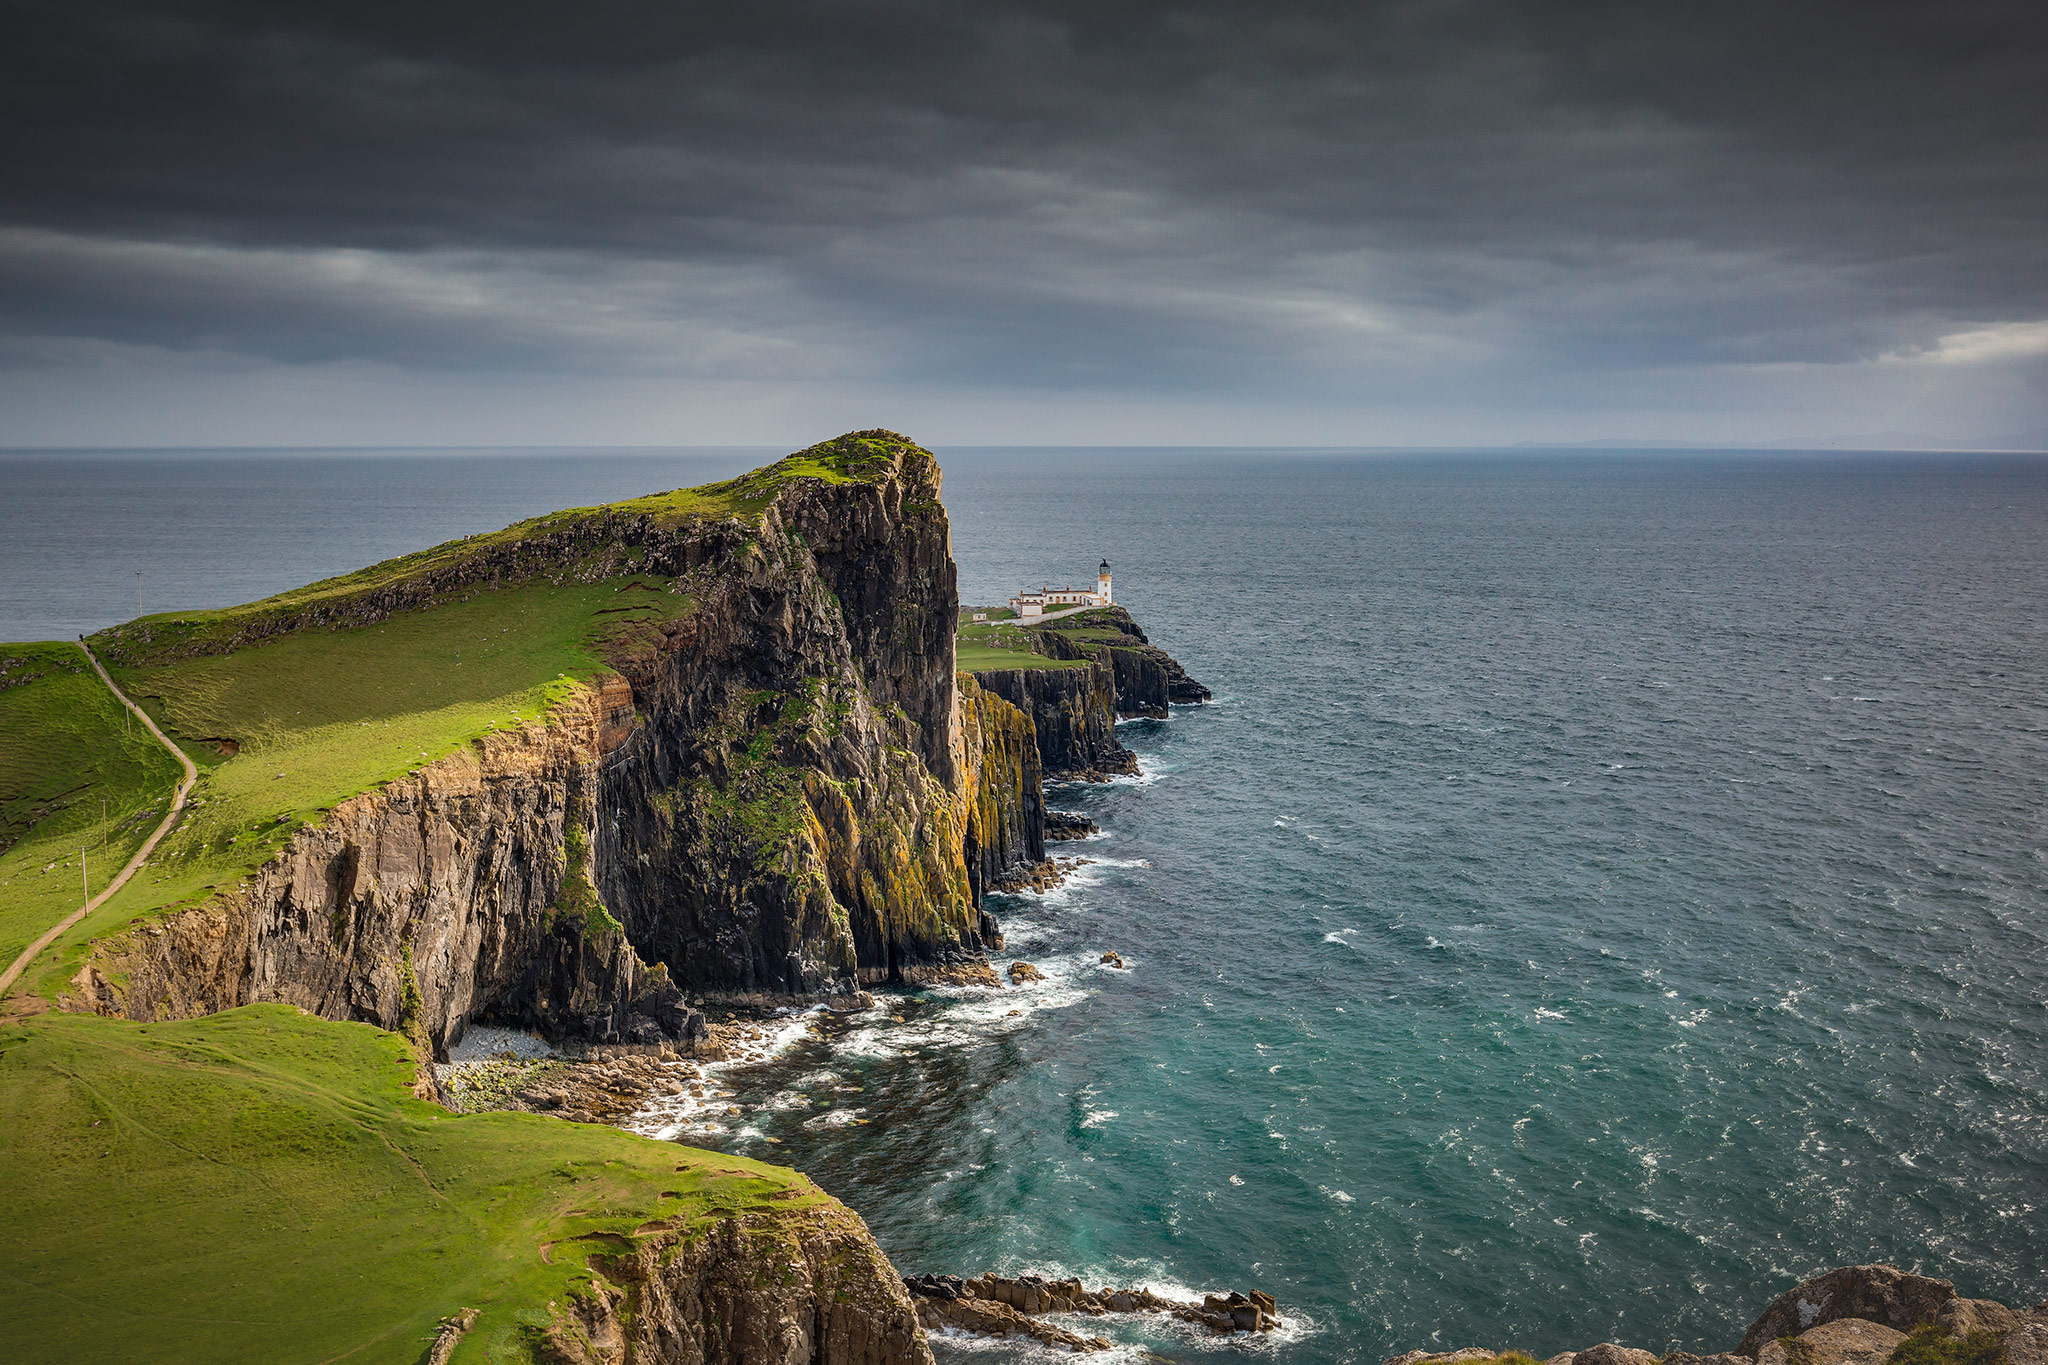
column 1606, row 888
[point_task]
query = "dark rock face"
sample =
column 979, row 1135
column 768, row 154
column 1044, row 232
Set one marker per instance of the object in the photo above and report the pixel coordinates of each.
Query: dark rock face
column 1006, row 815
column 433, row 902
column 1875, row 1293
column 1073, row 711
column 788, row 815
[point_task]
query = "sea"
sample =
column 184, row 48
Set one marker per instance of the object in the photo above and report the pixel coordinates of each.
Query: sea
column 1607, row 887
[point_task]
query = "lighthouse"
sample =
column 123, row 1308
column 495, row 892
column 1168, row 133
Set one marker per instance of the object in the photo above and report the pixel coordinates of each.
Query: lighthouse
column 1102, row 583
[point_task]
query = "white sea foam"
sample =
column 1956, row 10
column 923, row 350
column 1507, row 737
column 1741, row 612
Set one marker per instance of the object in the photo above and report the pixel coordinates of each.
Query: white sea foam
column 1097, row 1117
column 705, row 1106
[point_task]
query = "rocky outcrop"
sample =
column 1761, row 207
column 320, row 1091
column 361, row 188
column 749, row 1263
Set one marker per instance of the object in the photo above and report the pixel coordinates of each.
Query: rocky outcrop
column 1845, row 1341
column 803, row 1287
column 1875, row 1293
column 1853, row 1315
column 443, row 897
column 996, row 1305
column 1073, row 713
column 1062, row 825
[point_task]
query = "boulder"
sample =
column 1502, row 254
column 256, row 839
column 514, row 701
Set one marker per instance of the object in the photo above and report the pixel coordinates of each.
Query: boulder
column 1113, row 959
column 1881, row 1294
column 1021, row 972
column 1844, row 1341
column 1607, row 1353
column 1960, row 1317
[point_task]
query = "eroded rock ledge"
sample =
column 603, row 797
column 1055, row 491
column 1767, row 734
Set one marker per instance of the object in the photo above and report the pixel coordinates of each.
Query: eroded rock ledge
column 1853, row 1315
column 992, row 1305
column 807, row 1285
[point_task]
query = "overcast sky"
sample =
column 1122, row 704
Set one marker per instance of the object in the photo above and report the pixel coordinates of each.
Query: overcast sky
column 1350, row 224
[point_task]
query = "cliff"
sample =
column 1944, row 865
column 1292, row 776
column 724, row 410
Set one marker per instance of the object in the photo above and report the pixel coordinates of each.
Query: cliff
column 418, row 907
column 762, row 785
column 804, row 1286
column 1075, row 676
column 1073, row 714
column 1147, row 678
column 1006, row 801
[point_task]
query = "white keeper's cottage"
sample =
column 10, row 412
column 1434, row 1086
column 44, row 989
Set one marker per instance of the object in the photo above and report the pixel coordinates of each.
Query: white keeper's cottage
column 1027, row 604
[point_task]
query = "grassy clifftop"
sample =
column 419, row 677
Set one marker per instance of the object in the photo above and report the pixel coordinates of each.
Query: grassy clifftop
column 263, row 1186
column 575, row 544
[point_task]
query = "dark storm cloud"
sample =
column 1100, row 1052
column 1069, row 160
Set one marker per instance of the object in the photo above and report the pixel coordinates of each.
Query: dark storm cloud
column 1276, row 197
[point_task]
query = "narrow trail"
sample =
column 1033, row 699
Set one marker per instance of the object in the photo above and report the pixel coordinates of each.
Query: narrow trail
column 13, row 973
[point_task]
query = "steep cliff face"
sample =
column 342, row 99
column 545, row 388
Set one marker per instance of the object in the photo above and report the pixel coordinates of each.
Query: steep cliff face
column 805, row 1286
column 446, row 896
column 767, row 796
column 1073, row 711
column 1006, row 801
column 788, row 814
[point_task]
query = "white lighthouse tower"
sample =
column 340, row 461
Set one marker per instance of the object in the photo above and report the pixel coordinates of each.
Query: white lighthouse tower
column 1102, row 583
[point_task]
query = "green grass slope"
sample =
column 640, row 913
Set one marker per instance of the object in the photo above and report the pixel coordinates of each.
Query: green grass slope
column 78, row 777
column 286, row 729
column 553, row 547
column 984, row 646
column 262, row 1186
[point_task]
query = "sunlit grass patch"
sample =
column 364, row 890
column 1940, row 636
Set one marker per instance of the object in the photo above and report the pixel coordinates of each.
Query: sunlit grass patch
column 260, row 1185
column 79, row 778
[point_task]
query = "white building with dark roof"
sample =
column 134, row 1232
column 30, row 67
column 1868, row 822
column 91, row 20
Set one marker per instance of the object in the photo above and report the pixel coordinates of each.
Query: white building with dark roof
column 1029, row 604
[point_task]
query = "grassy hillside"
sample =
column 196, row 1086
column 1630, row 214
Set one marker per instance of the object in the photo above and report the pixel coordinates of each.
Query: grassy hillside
column 982, row 646
column 77, row 775
column 286, row 729
column 261, row 1186
column 552, row 547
